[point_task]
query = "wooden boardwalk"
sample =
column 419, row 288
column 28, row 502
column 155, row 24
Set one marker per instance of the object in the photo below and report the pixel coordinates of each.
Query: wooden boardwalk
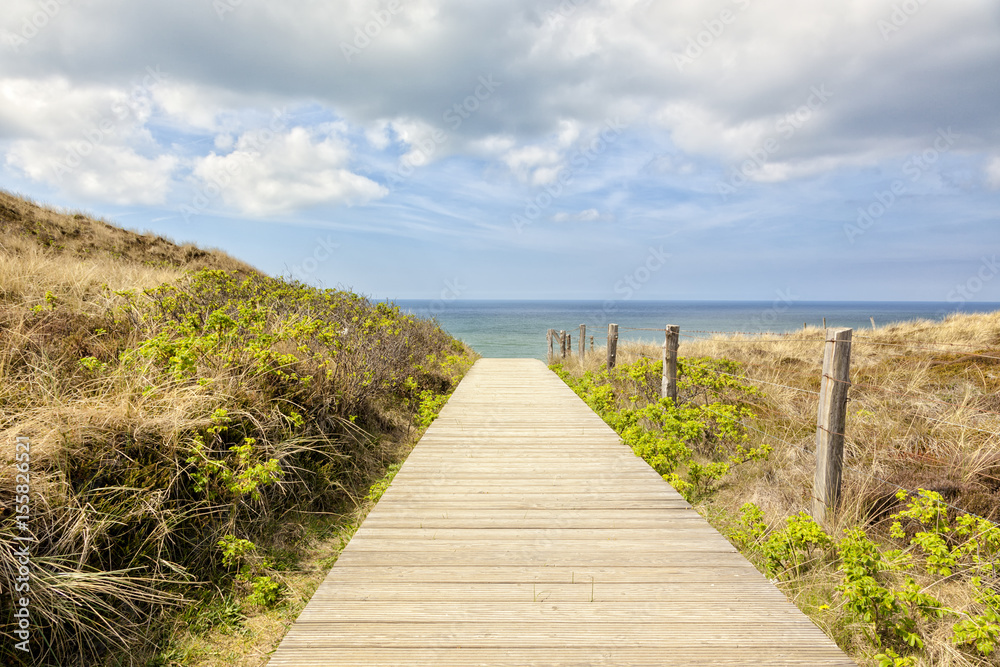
column 520, row 531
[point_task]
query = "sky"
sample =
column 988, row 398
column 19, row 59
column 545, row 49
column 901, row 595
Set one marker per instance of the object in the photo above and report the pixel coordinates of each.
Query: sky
column 543, row 149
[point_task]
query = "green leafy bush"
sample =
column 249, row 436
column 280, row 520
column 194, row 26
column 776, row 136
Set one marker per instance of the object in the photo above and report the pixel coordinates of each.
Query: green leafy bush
column 221, row 404
column 692, row 446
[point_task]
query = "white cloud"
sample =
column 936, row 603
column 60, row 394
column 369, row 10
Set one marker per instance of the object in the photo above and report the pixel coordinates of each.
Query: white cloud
column 96, row 172
column 535, row 165
column 561, row 69
column 54, row 108
column 589, row 215
column 189, row 105
column 278, row 173
column 89, row 141
column 377, row 134
column 539, row 163
column 993, row 173
column 426, row 142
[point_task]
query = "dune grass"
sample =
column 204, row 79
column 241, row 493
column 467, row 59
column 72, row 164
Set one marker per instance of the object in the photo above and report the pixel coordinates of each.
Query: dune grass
column 202, row 437
column 924, row 415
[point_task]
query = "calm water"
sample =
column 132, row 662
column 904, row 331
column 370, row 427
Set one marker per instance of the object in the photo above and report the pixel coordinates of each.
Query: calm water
column 517, row 328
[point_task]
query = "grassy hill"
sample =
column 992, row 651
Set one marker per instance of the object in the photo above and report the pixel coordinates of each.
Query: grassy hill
column 202, row 436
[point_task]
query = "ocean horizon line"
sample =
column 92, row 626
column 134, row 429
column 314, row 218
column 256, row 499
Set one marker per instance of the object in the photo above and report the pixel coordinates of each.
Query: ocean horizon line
column 741, row 301
column 516, row 327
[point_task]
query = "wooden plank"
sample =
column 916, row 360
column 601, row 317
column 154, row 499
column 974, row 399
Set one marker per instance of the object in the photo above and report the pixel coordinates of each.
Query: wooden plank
column 734, row 571
column 658, row 535
column 522, row 532
column 460, row 557
column 542, row 631
column 540, row 616
column 715, row 594
column 667, row 652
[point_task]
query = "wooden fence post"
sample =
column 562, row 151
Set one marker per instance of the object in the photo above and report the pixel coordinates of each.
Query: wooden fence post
column 583, row 341
column 612, row 345
column 562, row 344
column 569, row 345
column 550, row 336
column 591, row 343
column 831, row 422
column 669, row 385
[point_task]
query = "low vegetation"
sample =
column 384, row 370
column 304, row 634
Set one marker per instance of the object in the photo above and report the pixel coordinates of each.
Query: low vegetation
column 203, row 438
column 906, row 573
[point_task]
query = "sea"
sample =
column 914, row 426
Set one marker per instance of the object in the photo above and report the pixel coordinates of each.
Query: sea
column 517, row 328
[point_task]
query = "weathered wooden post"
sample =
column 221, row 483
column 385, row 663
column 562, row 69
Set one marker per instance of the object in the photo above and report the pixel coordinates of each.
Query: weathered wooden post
column 831, row 422
column 591, row 343
column 583, row 342
column 550, row 336
column 569, row 345
column 669, row 386
column 612, row 345
column 562, row 343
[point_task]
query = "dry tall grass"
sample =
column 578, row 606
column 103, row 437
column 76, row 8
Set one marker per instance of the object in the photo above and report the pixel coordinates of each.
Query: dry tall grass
column 924, row 412
column 924, row 407
column 116, row 359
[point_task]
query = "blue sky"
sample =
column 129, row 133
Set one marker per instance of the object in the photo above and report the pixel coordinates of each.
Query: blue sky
column 728, row 149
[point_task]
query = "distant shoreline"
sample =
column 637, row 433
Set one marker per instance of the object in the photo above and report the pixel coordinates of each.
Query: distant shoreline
column 516, row 328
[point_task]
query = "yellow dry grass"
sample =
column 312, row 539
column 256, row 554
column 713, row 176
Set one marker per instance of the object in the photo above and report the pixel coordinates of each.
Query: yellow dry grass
column 923, row 412
column 125, row 536
column 70, row 256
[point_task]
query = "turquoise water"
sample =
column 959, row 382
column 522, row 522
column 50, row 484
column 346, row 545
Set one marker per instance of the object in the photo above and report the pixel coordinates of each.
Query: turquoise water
column 517, row 328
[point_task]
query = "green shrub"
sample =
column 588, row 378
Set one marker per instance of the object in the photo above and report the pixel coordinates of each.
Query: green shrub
column 692, row 446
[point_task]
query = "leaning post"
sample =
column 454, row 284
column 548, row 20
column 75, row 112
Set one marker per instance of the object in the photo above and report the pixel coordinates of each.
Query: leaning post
column 830, row 423
column 669, row 384
column 612, row 345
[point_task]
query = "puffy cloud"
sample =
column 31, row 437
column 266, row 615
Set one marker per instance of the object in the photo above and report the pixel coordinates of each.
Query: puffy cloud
column 272, row 173
column 95, row 171
column 721, row 77
column 90, row 141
